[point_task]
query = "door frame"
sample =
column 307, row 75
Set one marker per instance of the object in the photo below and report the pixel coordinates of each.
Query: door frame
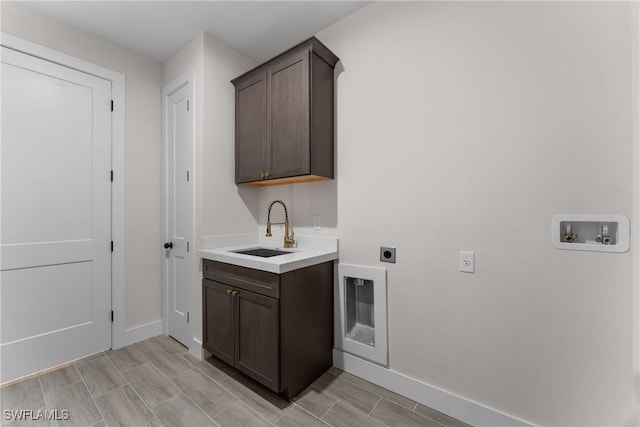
column 187, row 79
column 118, row 332
column 635, row 230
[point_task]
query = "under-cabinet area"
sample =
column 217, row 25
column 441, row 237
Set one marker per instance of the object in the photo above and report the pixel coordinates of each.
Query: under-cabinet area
column 274, row 328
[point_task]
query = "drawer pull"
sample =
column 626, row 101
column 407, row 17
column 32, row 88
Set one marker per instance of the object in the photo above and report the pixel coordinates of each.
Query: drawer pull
column 234, row 293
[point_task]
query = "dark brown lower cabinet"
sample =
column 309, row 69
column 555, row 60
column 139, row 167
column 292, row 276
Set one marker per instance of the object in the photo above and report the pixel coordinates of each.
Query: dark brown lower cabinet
column 257, row 337
column 219, row 334
column 275, row 328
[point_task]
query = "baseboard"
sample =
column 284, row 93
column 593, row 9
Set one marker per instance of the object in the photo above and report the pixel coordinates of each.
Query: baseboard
column 196, row 349
column 142, row 332
column 441, row 400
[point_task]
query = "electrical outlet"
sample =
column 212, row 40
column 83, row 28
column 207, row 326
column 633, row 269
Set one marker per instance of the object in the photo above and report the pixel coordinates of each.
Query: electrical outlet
column 317, row 223
column 467, row 262
column 388, row 254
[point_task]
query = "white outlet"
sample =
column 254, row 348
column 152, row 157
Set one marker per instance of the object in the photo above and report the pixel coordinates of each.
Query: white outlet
column 467, row 262
column 317, row 223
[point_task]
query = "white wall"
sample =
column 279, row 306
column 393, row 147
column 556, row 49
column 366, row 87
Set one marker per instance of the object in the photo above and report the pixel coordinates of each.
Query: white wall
column 467, row 126
column 221, row 207
column 143, row 155
column 304, row 201
column 226, row 208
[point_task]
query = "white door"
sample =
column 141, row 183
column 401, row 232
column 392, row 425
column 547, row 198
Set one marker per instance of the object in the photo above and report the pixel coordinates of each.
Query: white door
column 179, row 190
column 55, row 235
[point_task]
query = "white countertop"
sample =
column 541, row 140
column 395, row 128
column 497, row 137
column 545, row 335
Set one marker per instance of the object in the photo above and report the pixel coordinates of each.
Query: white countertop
column 309, row 251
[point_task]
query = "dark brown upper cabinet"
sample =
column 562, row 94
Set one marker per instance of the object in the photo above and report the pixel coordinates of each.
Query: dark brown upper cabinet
column 285, row 118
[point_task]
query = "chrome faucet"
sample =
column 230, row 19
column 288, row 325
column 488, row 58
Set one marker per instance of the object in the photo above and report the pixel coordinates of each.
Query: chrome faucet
column 288, row 239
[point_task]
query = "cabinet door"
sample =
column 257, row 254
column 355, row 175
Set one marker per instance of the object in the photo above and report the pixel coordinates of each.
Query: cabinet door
column 258, row 338
column 289, row 115
column 218, row 327
column 251, row 127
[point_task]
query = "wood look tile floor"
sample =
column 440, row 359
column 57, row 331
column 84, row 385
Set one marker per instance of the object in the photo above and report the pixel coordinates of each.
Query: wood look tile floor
column 157, row 383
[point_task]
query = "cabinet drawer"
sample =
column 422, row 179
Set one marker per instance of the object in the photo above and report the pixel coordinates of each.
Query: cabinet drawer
column 260, row 282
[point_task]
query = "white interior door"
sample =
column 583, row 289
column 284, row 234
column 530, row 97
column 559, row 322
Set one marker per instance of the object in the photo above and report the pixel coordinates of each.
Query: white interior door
column 55, row 235
column 179, row 215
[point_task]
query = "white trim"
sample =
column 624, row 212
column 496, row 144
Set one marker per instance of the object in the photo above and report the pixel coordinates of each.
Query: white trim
column 142, row 332
column 197, row 351
column 634, row 417
column 378, row 352
column 187, row 78
column 30, row 48
column 118, row 257
column 441, row 400
column 118, row 284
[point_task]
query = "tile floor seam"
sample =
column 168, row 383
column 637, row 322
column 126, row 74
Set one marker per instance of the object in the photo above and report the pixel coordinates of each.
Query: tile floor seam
column 374, row 406
column 146, row 405
column 415, row 404
column 198, row 406
column 97, row 407
column 181, row 391
column 194, row 404
column 118, row 369
column 328, row 393
column 46, row 405
column 319, row 419
column 201, row 371
column 284, row 413
column 108, row 391
column 429, row 418
column 344, row 401
column 330, row 408
column 219, row 412
column 242, row 402
column 90, row 396
column 350, row 406
column 354, row 408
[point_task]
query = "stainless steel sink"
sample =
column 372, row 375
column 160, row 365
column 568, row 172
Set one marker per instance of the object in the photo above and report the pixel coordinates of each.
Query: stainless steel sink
column 262, row 252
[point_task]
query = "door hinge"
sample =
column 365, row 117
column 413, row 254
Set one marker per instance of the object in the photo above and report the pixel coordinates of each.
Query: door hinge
column 187, row 176
column 187, row 105
column 111, row 316
column 111, row 176
column 187, row 246
column 187, row 317
column 112, row 246
column 112, row 105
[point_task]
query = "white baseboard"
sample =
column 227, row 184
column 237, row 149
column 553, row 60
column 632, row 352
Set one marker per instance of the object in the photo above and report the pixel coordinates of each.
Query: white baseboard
column 441, row 400
column 141, row 333
column 196, row 349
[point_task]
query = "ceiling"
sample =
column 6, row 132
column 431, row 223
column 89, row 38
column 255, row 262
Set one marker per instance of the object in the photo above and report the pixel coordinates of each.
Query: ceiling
column 159, row 29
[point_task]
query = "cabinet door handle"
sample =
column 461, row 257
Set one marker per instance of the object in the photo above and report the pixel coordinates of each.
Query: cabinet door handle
column 234, row 293
column 229, row 291
column 267, row 175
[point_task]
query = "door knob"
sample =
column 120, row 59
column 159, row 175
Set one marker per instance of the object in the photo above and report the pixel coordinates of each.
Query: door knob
column 168, row 245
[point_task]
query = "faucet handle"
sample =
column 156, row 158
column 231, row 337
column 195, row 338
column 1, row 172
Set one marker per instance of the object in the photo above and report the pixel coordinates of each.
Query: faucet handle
column 288, row 240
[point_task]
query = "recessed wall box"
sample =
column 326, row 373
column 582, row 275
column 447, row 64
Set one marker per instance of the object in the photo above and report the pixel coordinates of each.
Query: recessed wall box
column 361, row 309
column 599, row 233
